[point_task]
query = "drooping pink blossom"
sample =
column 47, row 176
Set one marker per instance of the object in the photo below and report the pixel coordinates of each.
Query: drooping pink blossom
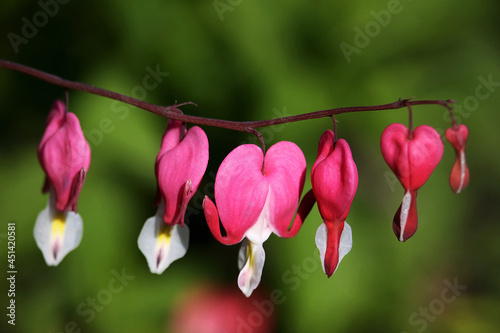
column 412, row 156
column 180, row 166
column 64, row 155
column 459, row 176
column 334, row 179
column 257, row 195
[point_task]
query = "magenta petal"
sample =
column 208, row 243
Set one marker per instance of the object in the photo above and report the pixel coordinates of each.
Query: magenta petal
column 185, row 161
column 425, row 152
column 325, row 147
column 334, row 231
column 55, row 121
column 394, row 147
column 304, row 209
column 240, row 190
column 285, row 169
column 334, row 178
column 212, row 217
column 76, row 187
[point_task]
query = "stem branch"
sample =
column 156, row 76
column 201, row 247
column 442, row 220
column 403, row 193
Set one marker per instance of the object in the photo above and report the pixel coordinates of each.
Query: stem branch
column 242, row 126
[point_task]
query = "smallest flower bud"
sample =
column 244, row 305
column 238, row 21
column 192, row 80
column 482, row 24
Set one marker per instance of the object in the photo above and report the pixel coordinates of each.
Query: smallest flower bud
column 459, row 176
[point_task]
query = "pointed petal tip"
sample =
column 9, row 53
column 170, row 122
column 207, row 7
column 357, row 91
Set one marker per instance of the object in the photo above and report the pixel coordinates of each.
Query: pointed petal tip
column 162, row 244
column 57, row 234
column 251, row 260
column 405, row 220
column 331, row 250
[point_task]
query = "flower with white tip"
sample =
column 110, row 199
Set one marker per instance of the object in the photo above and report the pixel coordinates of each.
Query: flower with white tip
column 257, row 195
column 334, row 179
column 180, row 166
column 412, row 156
column 64, row 155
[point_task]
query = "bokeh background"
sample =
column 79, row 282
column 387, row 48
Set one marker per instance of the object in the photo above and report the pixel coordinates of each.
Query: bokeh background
column 250, row 60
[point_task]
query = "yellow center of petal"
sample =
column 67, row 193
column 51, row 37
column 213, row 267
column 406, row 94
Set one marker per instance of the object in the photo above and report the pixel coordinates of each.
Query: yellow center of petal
column 164, row 234
column 58, row 225
column 250, row 257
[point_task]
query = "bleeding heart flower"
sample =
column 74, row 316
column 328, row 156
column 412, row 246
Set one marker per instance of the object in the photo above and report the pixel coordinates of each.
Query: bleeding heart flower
column 180, row 166
column 64, row 155
column 334, row 179
column 255, row 197
column 412, row 156
column 459, row 176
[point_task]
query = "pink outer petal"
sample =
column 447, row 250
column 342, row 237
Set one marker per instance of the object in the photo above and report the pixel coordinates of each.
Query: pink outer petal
column 212, row 217
column 412, row 161
column 172, row 136
column 186, row 161
column 285, row 169
column 55, row 121
column 240, row 190
column 334, row 179
column 394, row 147
column 63, row 156
column 325, row 147
column 425, row 152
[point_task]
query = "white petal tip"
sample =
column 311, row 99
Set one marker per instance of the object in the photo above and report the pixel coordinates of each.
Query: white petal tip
column 57, row 234
column 405, row 209
column 251, row 260
column 162, row 244
column 345, row 244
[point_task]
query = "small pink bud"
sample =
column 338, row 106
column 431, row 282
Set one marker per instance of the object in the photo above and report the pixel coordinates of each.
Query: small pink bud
column 459, row 176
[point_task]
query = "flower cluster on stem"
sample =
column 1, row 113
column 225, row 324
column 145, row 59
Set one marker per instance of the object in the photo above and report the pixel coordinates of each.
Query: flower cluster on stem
column 257, row 193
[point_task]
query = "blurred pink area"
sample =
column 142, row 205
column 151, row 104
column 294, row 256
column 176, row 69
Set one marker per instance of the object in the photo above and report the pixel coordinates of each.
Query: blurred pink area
column 218, row 309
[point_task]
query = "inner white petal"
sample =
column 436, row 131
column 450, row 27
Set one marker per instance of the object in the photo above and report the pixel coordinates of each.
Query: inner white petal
column 261, row 230
column 403, row 217
column 345, row 244
column 57, row 233
column 251, row 260
column 463, row 167
column 162, row 244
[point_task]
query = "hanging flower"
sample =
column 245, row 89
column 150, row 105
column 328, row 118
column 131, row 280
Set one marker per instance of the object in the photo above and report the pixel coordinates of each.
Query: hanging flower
column 334, row 179
column 180, row 166
column 459, row 176
column 257, row 195
column 412, row 156
column 64, row 155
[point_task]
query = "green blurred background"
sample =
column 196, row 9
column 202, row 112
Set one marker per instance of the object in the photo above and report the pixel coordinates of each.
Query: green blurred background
column 256, row 60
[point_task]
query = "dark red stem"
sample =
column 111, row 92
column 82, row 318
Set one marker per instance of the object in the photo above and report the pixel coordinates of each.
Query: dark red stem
column 242, row 126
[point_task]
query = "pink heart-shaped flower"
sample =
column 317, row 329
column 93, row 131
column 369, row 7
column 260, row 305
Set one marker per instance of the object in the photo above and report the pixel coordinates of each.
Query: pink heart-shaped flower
column 412, row 157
